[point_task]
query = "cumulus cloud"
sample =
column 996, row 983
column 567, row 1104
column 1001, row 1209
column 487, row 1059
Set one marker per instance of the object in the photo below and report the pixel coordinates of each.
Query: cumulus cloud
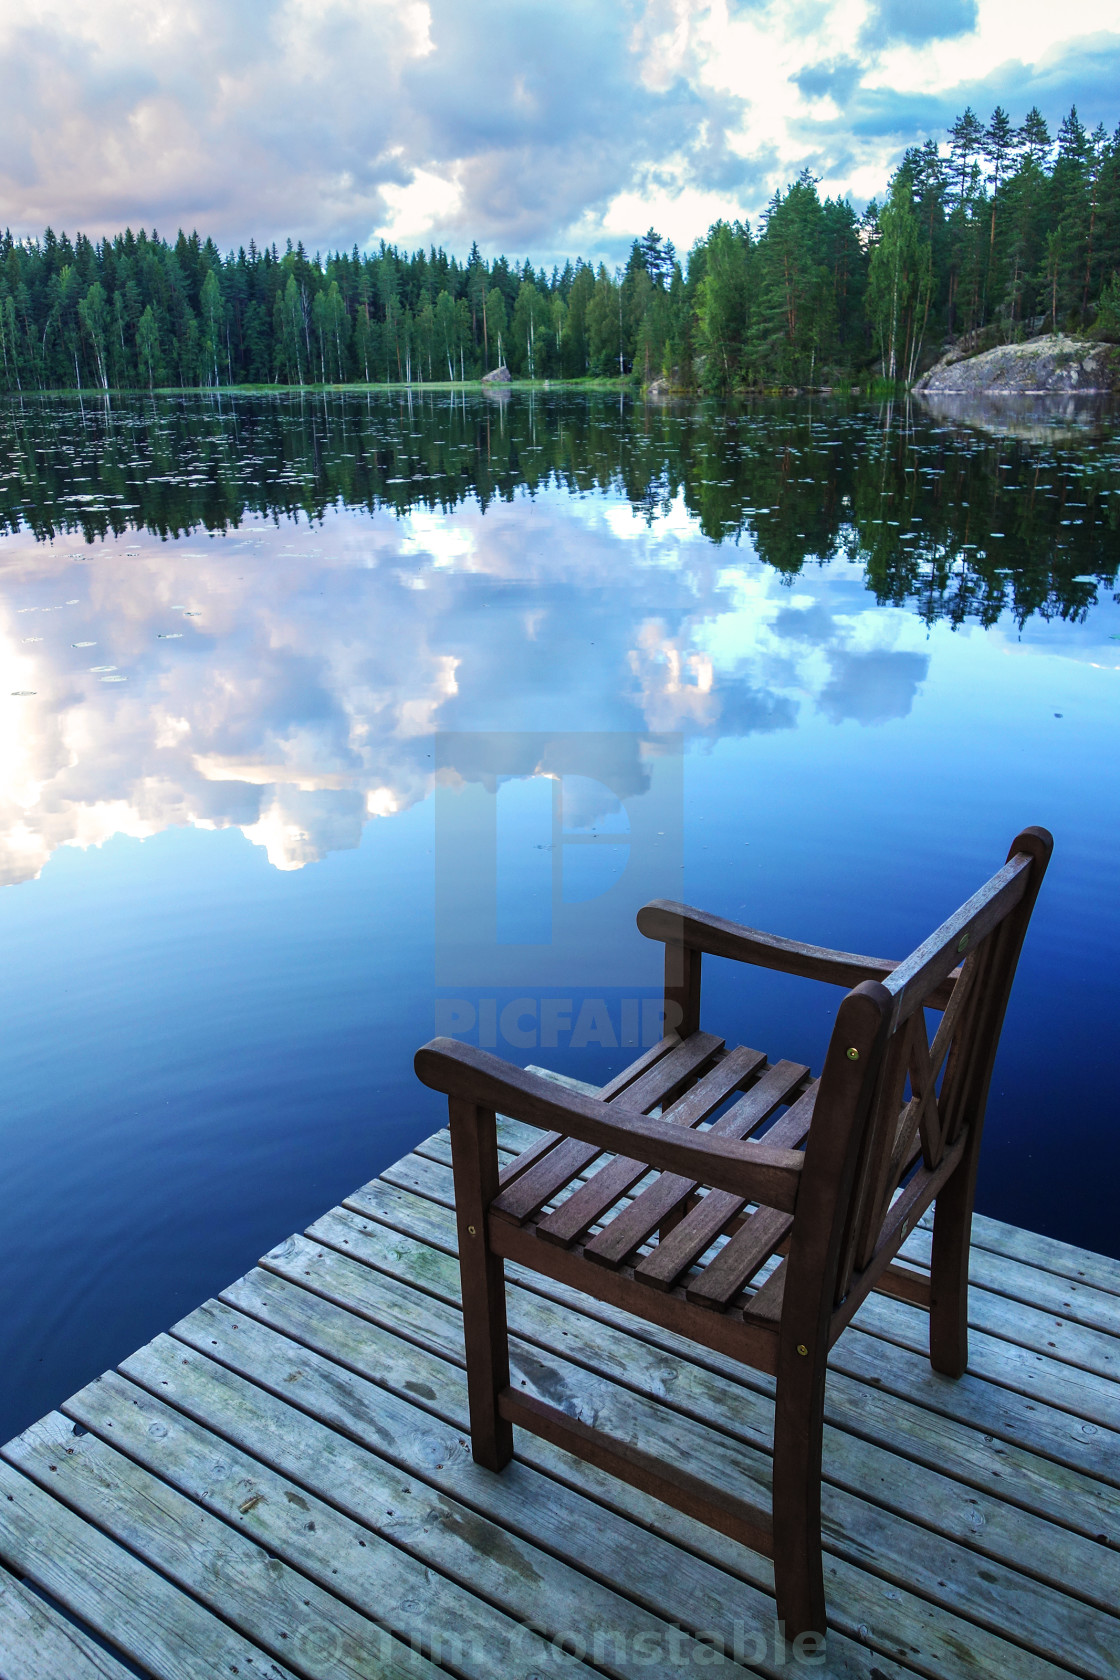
column 535, row 129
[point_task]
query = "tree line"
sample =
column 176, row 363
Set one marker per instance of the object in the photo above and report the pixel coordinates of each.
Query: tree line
column 995, row 233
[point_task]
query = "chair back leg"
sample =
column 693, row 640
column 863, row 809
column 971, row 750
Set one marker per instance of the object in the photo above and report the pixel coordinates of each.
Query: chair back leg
column 948, row 1277
column 474, row 1158
column 971, row 1077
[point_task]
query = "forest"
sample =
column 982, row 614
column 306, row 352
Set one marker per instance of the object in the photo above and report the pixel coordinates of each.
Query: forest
column 995, row 233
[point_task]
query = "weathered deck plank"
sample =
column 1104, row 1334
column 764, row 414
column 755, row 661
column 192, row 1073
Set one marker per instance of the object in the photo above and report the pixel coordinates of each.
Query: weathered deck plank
column 129, row 1605
column 282, row 1486
column 1038, row 1376
column 336, row 1453
column 723, row 1431
column 230, row 1573
column 676, row 1581
column 927, row 1639
column 36, row 1643
column 1046, row 1254
column 895, row 1445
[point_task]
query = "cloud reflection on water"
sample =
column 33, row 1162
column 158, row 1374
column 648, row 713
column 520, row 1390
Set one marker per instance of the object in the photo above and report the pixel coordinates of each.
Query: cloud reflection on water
column 288, row 682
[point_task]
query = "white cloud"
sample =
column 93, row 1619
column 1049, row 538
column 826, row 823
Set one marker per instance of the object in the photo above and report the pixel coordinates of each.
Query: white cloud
column 427, row 201
column 537, row 130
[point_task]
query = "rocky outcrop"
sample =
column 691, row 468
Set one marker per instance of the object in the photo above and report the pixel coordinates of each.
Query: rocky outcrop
column 1038, row 367
column 500, row 376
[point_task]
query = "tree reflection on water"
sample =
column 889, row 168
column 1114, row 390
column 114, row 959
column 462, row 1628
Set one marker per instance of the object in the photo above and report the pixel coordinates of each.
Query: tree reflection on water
column 956, row 514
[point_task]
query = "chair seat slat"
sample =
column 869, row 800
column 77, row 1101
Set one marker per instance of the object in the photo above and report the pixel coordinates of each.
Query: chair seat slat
column 699, row 1229
column 740, row 1258
column 664, row 1080
column 665, row 1197
column 764, row 1309
column 529, row 1157
column 587, row 1205
column 624, row 1080
column 528, row 1193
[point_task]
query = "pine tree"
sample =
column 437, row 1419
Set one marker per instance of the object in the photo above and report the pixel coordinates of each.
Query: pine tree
column 966, row 142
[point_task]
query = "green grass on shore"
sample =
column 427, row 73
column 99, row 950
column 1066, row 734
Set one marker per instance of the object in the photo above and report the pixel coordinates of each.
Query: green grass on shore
column 96, row 392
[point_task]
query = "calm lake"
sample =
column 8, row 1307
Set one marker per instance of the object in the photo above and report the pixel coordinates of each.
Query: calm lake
column 808, row 666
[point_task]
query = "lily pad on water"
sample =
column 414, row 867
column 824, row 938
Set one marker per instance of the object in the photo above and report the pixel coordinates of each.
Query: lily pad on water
column 114, row 679
column 22, row 693
column 169, row 636
column 83, row 644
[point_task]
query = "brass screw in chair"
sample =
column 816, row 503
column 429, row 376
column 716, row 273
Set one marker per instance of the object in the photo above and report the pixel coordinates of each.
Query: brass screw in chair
column 802, row 1350
column 853, row 1054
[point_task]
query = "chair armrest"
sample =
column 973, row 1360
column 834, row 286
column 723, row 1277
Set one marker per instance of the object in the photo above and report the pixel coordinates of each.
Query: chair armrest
column 680, row 924
column 762, row 1174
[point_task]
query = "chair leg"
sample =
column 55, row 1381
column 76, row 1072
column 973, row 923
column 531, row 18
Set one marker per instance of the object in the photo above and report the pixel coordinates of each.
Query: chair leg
column 798, row 1441
column 474, row 1158
column 948, row 1277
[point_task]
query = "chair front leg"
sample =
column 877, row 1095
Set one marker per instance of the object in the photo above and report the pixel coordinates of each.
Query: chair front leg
column 798, row 1442
column 474, row 1158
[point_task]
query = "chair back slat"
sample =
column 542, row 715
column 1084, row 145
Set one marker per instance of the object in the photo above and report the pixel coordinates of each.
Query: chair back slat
column 925, row 1095
column 922, row 972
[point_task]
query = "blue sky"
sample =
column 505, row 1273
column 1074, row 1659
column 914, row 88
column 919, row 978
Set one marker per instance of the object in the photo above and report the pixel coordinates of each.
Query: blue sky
column 541, row 129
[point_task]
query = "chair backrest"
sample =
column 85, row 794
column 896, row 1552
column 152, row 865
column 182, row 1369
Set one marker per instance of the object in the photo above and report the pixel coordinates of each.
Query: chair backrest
column 923, row 1096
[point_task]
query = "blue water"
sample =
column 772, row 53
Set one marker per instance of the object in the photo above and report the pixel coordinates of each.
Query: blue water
column 232, row 901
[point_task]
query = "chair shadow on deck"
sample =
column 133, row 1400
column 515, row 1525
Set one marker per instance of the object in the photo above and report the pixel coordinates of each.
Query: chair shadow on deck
column 756, row 1210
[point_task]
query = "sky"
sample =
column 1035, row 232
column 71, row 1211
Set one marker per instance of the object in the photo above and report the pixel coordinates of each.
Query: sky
column 539, row 128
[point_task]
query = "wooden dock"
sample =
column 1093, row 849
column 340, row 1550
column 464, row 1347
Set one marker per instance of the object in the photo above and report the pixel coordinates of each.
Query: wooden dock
column 282, row 1485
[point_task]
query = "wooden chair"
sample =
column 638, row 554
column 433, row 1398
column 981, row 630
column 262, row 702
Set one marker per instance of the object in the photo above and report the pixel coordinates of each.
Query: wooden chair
column 676, row 1220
